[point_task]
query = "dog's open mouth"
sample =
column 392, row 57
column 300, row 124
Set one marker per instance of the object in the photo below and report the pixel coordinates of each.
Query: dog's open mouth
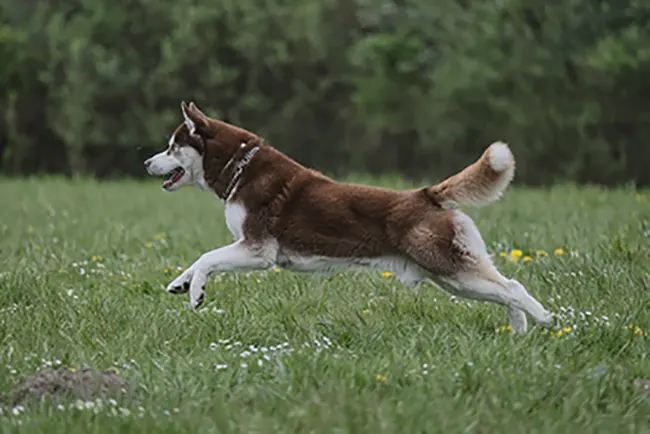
column 176, row 176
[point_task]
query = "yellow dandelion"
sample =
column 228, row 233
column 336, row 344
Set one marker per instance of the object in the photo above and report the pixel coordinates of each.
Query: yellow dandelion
column 72, row 369
column 561, row 332
column 148, row 244
column 559, row 252
column 386, row 274
column 503, row 254
column 276, row 270
column 159, row 236
column 516, row 254
column 541, row 253
column 381, row 378
column 365, row 310
column 527, row 259
column 505, row 329
column 96, row 258
column 638, row 332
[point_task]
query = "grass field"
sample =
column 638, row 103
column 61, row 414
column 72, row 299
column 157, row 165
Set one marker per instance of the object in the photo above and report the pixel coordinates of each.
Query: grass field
column 84, row 264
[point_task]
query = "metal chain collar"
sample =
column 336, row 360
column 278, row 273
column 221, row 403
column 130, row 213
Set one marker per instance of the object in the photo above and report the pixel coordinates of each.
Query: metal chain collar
column 240, row 166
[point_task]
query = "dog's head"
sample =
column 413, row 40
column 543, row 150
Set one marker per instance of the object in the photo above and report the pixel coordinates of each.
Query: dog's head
column 199, row 149
column 182, row 161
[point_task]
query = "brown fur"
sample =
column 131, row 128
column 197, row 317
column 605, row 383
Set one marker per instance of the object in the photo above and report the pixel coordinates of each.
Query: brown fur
column 477, row 184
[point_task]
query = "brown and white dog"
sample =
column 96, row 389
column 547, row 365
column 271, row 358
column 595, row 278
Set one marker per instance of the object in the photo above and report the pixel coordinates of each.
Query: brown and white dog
column 284, row 214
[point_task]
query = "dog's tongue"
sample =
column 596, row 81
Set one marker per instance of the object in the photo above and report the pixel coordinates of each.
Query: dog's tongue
column 175, row 177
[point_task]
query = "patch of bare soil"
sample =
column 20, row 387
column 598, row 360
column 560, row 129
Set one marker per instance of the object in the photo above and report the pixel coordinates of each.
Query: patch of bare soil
column 64, row 383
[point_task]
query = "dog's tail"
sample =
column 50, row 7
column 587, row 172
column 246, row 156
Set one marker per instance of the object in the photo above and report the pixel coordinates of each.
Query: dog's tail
column 479, row 183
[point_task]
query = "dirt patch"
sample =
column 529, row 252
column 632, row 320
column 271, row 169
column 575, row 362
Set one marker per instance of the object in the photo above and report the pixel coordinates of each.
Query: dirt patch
column 64, row 383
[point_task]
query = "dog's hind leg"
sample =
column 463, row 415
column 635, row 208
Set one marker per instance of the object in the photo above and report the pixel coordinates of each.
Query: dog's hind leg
column 487, row 284
column 457, row 260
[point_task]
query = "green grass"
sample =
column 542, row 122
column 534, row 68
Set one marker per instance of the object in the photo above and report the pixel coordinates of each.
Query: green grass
column 351, row 353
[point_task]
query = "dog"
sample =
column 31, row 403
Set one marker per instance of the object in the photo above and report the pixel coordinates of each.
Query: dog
column 286, row 215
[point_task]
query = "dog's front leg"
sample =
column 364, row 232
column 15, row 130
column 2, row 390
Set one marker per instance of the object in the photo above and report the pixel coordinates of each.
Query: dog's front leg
column 239, row 256
column 181, row 284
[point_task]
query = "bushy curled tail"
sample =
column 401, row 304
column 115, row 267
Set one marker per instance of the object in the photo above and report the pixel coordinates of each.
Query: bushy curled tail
column 479, row 183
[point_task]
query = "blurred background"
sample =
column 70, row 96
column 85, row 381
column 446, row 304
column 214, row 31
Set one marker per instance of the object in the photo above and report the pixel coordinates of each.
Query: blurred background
column 416, row 88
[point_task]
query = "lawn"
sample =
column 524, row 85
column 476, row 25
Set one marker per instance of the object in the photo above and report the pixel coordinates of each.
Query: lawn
column 84, row 264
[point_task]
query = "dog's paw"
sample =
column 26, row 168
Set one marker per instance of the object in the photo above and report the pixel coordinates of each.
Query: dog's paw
column 547, row 319
column 197, row 290
column 181, row 284
column 518, row 321
column 182, row 289
column 198, row 302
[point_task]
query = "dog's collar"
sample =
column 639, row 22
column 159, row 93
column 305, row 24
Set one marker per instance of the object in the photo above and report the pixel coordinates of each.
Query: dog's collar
column 240, row 164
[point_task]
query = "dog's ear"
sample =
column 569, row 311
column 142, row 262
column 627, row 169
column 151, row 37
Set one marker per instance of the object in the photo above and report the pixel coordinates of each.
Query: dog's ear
column 196, row 110
column 197, row 123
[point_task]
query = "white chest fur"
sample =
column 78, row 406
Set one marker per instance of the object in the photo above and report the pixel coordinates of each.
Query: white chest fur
column 235, row 218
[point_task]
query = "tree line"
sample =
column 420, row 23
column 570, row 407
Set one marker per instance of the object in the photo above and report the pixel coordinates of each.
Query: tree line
column 413, row 87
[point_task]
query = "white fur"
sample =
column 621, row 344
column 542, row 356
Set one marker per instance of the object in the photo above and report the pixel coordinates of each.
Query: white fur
column 235, row 218
column 238, row 256
column 468, row 237
column 490, row 286
column 493, row 287
column 409, row 273
column 485, row 283
column 191, row 126
column 174, row 156
column 500, row 157
column 501, row 161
